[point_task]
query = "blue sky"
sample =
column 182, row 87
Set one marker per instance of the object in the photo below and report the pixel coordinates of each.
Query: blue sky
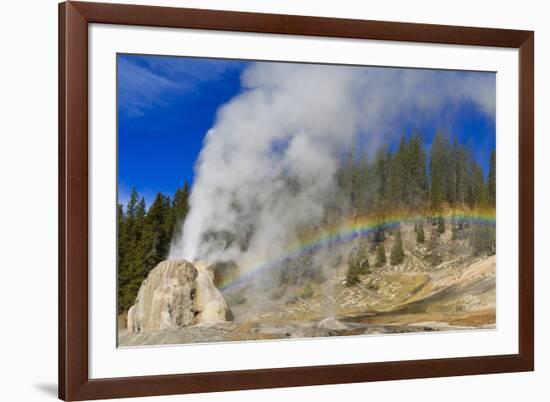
column 167, row 104
column 165, row 107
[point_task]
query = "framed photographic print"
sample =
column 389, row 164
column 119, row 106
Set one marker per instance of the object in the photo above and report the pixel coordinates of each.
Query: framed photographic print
column 258, row 200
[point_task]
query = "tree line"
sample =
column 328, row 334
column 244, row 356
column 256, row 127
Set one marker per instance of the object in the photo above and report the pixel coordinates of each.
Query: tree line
column 144, row 236
column 412, row 179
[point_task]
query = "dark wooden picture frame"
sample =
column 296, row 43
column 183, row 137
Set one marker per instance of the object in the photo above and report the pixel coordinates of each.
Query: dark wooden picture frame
column 74, row 381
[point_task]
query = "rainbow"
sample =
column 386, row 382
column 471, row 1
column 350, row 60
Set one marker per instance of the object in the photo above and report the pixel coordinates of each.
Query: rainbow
column 347, row 231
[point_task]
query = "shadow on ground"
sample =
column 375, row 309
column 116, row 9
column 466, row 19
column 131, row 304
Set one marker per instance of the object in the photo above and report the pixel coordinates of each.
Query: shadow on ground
column 48, row 389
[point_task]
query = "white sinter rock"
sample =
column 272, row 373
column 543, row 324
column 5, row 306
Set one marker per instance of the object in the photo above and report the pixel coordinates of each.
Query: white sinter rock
column 177, row 294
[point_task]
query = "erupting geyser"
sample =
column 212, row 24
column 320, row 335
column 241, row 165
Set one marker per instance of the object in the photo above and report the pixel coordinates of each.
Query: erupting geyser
column 267, row 166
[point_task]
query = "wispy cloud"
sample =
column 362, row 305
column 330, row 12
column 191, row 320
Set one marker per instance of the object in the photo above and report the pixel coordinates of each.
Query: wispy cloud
column 148, row 81
column 193, row 70
column 139, row 88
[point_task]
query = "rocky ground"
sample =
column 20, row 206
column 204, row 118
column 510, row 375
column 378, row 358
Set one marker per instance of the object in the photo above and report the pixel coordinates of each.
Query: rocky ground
column 415, row 296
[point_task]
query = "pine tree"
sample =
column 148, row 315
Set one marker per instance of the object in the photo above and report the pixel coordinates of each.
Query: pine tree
column 380, row 255
column 419, row 230
column 141, row 210
column 122, row 246
column 452, row 179
column 362, row 184
column 131, row 208
column 416, row 177
column 157, row 232
column 143, row 241
column 380, row 175
column 478, row 186
column 457, row 228
column 433, row 256
column 397, row 180
column 397, row 254
column 134, row 263
column 358, row 265
column 491, row 180
column 439, row 169
column 461, row 173
column 483, row 240
column 130, row 261
column 121, row 227
column 440, row 224
column 378, row 209
column 346, row 175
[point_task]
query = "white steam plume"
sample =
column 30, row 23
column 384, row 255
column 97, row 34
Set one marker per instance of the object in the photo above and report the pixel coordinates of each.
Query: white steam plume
column 295, row 121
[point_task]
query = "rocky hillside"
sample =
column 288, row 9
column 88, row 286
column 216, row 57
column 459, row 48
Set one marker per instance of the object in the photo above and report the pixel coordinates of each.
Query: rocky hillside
column 443, row 280
column 428, row 269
